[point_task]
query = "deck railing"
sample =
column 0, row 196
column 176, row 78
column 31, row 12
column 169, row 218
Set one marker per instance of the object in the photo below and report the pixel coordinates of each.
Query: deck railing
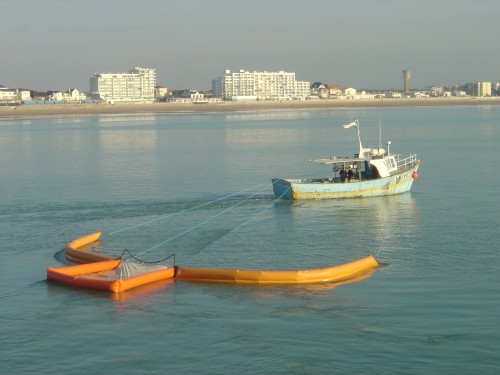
column 405, row 163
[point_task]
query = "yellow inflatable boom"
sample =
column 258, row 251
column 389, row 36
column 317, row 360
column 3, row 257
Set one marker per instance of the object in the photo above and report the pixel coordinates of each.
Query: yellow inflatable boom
column 337, row 273
column 75, row 250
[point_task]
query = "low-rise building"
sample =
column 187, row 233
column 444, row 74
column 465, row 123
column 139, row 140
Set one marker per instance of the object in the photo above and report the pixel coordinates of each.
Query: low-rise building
column 190, row 96
column 349, row 93
column 320, row 90
column 73, row 95
column 393, row 94
column 364, row 95
column 7, row 95
column 420, row 94
column 55, row 96
column 12, row 96
column 334, row 90
column 161, row 92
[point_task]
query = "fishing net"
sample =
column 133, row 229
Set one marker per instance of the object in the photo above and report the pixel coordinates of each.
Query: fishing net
column 128, row 269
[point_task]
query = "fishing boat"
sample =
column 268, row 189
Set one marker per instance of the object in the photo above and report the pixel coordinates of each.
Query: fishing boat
column 369, row 173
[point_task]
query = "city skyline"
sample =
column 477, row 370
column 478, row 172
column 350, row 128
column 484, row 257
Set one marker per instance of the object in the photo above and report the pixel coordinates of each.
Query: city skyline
column 53, row 45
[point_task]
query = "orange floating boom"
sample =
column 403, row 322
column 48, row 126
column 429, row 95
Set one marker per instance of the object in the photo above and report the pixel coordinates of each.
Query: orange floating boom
column 331, row 274
column 82, row 241
column 87, row 276
column 337, row 273
column 74, row 251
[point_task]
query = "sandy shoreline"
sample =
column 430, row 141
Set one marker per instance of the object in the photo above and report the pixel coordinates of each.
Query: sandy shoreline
column 152, row 108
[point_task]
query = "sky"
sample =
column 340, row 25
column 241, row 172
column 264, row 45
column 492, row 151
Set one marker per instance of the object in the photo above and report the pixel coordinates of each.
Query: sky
column 365, row 44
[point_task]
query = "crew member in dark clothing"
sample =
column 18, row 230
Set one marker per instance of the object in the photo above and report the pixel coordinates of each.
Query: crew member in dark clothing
column 349, row 174
column 343, row 174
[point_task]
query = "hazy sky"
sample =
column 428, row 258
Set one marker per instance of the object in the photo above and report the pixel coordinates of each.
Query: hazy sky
column 58, row 44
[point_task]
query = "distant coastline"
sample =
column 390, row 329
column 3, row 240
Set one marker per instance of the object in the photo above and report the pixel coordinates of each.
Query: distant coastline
column 154, row 108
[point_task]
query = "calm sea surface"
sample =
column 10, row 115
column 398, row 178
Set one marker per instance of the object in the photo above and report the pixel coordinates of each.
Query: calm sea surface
column 433, row 307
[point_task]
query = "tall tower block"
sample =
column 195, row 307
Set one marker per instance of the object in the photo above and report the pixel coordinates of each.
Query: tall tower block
column 406, row 76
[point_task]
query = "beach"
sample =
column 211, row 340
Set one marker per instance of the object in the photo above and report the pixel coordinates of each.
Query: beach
column 151, row 108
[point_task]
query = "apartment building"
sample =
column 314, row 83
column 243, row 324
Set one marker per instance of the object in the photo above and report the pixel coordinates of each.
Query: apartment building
column 478, row 88
column 260, row 86
column 138, row 85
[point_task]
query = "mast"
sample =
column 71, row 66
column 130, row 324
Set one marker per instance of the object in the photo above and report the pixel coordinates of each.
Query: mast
column 356, row 124
column 359, row 139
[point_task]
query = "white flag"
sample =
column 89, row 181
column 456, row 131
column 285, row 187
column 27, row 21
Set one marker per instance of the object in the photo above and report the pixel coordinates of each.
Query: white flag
column 349, row 125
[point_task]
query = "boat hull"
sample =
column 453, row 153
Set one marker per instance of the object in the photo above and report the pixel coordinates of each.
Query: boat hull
column 290, row 188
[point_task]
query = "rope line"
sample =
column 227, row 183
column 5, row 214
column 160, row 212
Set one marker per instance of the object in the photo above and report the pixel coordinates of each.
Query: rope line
column 146, row 262
column 200, row 224
column 187, row 210
column 264, row 210
column 260, row 213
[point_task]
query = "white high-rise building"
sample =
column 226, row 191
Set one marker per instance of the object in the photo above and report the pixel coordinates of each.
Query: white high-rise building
column 148, row 82
column 260, row 86
column 138, row 85
column 479, row 88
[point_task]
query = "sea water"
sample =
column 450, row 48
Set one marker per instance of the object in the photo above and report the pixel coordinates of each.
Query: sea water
column 199, row 186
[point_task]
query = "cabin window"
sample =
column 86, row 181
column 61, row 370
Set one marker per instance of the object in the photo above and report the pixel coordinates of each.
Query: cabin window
column 390, row 163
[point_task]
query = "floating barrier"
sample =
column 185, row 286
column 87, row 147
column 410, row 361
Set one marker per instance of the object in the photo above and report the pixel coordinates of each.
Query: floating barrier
column 77, row 250
column 331, row 274
column 113, row 275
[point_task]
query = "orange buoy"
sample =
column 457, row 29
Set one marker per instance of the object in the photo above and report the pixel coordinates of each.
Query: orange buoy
column 414, row 175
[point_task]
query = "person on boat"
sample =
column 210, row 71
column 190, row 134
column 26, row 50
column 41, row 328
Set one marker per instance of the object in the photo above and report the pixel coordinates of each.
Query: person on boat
column 343, row 174
column 349, row 173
